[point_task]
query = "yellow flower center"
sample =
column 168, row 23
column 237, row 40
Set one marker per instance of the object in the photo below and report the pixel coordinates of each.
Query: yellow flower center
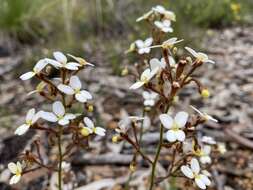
column 77, row 91
column 29, row 122
column 144, row 79
column 199, row 152
column 175, row 126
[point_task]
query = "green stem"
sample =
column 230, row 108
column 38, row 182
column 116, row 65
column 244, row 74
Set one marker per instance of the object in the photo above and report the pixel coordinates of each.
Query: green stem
column 60, row 159
column 159, row 147
column 142, row 123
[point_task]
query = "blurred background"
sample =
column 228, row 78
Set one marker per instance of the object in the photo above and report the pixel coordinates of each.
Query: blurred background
column 101, row 31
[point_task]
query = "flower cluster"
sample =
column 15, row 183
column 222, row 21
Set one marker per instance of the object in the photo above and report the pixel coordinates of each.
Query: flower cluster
column 162, row 78
column 63, row 93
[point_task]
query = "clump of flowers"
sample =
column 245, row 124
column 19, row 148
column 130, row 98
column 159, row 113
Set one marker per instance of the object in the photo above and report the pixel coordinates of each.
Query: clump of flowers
column 58, row 122
column 162, row 79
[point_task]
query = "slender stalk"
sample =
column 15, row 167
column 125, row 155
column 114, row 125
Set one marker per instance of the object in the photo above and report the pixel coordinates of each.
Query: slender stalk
column 60, row 159
column 159, row 147
column 142, row 123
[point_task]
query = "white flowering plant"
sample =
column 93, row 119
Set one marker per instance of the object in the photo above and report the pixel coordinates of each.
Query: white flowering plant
column 64, row 93
column 162, row 78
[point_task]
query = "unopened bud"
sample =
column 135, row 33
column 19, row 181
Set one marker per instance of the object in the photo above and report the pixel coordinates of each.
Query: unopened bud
column 205, row 93
column 85, row 132
column 175, row 99
column 189, row 59
column 115, row 138
column 131, row 48
column 90, row 108
column 132, row 167
column 174, row 50
column 124, row 71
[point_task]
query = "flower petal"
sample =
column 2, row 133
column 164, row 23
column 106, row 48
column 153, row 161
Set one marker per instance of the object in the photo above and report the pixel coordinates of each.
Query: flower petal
column 100, row 131
column 136, row 85
column 146, row 95
column 49, row 116
column 75, row 82
column 200, row 183
column 71, row 66
column 27, row 75
column 88, row 122
column 205, row 160
column 139, row 43
column 193, row 52
column 148, row 42
column 40, row 65
column 53, row 62
column 15, row 179
column 63, row 121
column 59, row 56
column 83, row 96
column 207, row 149
column 170, row 135
column 12, row 167
column 187, row 172
column 69, row 116
column 66, row 89
column 166, row 120
column 21, row 129
column 155, row 63
column 180, row 135
column 58, row 108
column 181, row 118
column 205, row 179
column 30, row 114
column 195, row 165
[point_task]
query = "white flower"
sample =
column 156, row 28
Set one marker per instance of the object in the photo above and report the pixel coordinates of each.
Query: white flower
column 16, row 169
column 143, row 46
column 201, row 57
column 90, row 128
column 204, row 115
column 149, row 98
column 145, row 16
column 175, row 126
column 208, row 140
column 31, row 118
column 204, row 154
column 36, row 70
column 125, row 123
column 193, row 172
column 155, row 63
column 164, row 25
column 62, row 62
column 80, row 60
column 58, row 114
column 146, row 76
column 167, row 14
column 74, row 88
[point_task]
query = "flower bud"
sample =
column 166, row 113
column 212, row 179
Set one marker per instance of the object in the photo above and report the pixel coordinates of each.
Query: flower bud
column 132, row 167
column 124, row 71
column 174, row 50
column 131, row 48
column 189, row 59
column 175, row 99
column 115, row 138
column 90, row 108
column 205, row 93
column 85, row 132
